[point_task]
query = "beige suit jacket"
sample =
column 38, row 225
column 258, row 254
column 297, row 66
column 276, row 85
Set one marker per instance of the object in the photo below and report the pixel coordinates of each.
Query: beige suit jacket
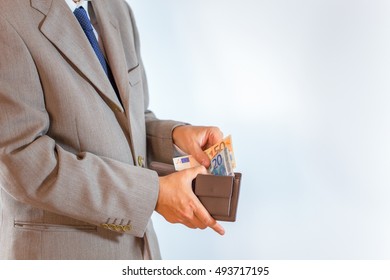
column 72, row 156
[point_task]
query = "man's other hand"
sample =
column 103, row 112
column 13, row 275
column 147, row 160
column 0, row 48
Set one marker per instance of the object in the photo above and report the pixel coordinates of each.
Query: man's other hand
column 193, row 140
column 178, row 204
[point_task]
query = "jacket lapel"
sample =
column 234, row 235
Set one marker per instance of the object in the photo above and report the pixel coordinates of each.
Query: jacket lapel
column 109, row 32
column 63, row 30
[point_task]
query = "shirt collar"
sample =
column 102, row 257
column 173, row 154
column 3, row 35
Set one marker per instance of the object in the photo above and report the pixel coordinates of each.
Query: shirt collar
column 72, row 5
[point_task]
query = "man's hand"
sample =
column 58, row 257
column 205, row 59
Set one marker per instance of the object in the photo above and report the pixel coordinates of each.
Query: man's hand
column 178, row 204
column 194, row 139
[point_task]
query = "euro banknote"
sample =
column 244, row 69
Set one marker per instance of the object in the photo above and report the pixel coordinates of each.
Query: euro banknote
column 225, row 143
column 221, row 164
column 185, row 162
column 221, row 156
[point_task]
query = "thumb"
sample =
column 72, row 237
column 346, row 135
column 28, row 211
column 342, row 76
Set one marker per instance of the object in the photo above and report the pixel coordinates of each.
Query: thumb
column 193, row 172
column 201, row 156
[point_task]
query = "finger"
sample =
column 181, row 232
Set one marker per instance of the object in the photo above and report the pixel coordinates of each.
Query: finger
column 200, row 156
column 198, row 223
column 193, row 172
column 206, row 219
column 191, row 220
column 218, row 228
column 194, row 220
column 190, row 225
column 215, row 136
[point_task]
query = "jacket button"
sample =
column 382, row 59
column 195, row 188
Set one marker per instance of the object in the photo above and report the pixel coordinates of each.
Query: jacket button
column 118, row 228
column 141, row 161
column 127, row 228
column 112, row 227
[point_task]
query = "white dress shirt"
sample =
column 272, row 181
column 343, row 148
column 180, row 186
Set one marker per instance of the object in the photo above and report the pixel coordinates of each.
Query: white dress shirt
column 72, row 5
column 83, row 3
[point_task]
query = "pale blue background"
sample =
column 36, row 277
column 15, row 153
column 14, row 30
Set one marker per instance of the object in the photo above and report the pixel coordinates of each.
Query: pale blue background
column 303, row 87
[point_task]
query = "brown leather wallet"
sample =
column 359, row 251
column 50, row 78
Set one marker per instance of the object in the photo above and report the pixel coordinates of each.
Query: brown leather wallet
column 218, row 194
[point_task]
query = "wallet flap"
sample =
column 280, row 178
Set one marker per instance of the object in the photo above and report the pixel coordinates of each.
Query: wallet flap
column 231, row 217
column 214, row 186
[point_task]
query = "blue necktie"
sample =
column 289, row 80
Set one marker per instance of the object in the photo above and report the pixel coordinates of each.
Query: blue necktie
column 82, row 17
column 86, row 25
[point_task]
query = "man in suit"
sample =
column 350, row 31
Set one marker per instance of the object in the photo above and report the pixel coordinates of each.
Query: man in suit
column 77, row 135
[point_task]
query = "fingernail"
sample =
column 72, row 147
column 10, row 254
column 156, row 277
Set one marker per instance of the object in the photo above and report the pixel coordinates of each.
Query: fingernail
column 204, row 163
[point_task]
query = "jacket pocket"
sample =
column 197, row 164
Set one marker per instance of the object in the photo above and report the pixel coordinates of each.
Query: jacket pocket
column 134, row 75
column 53, row 227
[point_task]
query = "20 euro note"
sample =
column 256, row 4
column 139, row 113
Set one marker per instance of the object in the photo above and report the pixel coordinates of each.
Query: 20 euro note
column 217, row 148
column 221, row 164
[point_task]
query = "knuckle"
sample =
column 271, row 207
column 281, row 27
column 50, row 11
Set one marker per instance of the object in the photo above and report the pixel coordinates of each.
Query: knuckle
column 216, row 129
column 209, row 221
column 186, row 215
column 203, row 227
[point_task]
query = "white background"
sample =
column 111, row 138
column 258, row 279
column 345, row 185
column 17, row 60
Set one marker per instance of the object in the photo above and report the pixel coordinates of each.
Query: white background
column 303, row 87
